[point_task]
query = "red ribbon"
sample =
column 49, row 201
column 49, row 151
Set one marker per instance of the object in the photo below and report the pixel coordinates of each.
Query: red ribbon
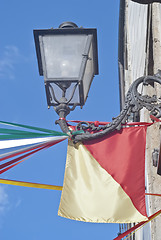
column 97, row 123
column 4, row 165
column 21, row 152
column 154, row 118
column 136, row 226
column 153, row 194
column 6, row 169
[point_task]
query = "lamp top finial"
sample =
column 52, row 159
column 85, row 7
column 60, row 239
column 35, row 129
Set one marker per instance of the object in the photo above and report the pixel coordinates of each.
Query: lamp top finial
column 68, row 25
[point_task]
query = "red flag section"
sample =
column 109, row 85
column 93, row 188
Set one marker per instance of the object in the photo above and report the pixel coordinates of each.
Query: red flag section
column 122, row 155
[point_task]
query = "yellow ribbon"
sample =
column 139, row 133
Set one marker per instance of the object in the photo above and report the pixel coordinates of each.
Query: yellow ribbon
column 29, row 184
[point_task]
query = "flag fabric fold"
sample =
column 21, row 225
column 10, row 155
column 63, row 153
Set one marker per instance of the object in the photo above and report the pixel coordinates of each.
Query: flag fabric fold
column 105, row 178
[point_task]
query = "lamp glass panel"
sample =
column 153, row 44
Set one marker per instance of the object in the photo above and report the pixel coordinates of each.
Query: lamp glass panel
column 63, row 55
column 58, row 93
column 89, row 73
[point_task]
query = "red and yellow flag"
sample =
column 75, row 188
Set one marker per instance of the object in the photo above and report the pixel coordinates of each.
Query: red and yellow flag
column 105, row 178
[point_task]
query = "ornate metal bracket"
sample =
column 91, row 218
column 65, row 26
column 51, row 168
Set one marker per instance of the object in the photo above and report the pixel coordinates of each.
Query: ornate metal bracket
column 145, row 1
column 134, row 102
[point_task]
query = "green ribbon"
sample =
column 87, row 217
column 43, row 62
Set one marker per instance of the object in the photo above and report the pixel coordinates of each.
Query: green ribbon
column 18, row 134
column 34, row 128
column 13, row 131
column 77, row 132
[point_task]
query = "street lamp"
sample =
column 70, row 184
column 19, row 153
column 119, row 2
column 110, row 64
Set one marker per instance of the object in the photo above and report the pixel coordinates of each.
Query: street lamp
column 68, row 60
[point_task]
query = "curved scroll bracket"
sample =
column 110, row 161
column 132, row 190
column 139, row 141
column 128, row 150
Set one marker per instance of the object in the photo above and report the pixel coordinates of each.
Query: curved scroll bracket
column 134, row 102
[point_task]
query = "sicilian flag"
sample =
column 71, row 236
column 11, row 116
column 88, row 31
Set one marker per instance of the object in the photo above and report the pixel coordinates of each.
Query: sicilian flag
column 17, row 145
column 105, row 178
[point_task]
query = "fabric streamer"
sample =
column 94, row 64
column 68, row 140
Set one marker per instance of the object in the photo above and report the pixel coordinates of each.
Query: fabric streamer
column 19, row 151
column 6, row 169
column 30, row 151
column 153, row 194
column 23, row 156
column 97, row 123
column 27, row 142
column 137, row 226
column 55, row 133
column 29, row 184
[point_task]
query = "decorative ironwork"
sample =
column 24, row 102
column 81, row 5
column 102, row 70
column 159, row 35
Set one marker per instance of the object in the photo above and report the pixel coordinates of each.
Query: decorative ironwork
column 134, row 102
column 145, row 1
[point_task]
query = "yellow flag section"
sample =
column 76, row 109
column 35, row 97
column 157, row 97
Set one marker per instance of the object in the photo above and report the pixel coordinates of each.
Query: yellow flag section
column 91, row 194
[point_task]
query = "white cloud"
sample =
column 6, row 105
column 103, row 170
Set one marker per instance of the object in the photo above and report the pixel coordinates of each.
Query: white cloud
column 3, row 200
column 8, row 59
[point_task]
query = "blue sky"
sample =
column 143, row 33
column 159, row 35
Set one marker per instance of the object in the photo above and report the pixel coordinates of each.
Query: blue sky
column 32, row 213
